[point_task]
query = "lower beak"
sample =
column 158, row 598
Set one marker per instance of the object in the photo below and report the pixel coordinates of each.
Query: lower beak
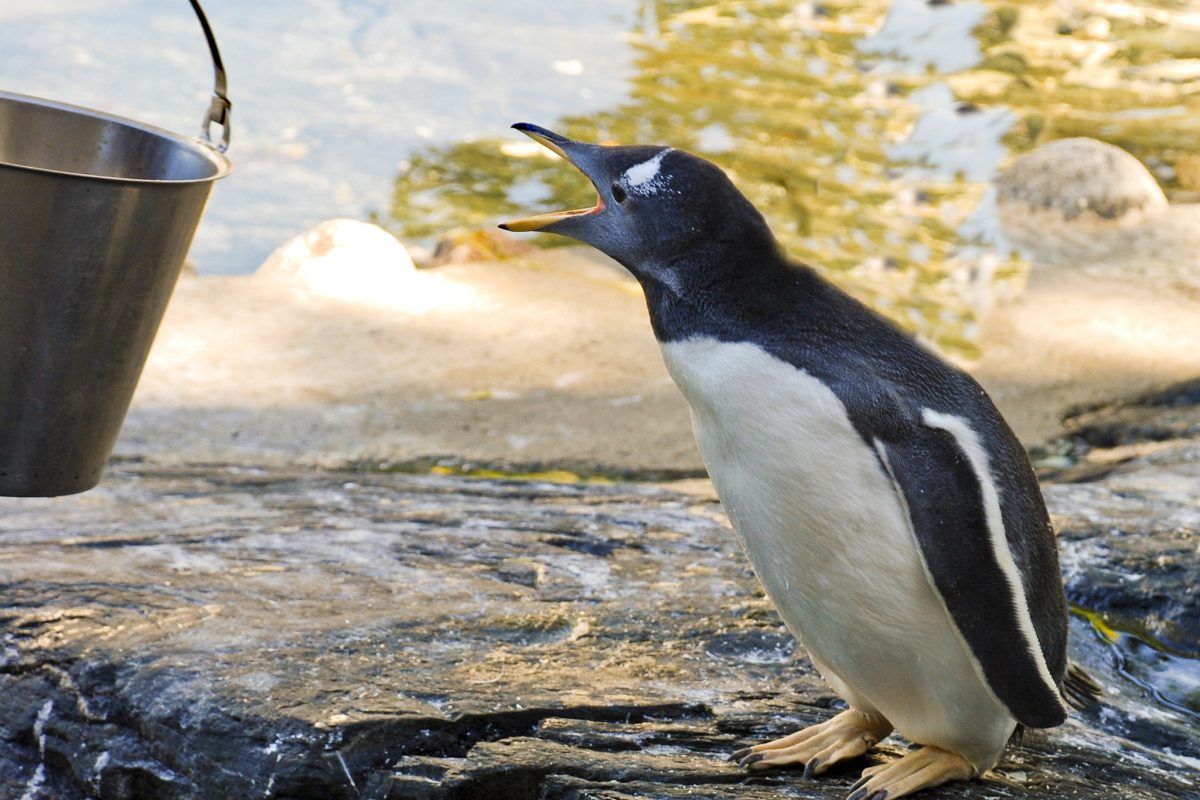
column 539, row 221
column 557, row 144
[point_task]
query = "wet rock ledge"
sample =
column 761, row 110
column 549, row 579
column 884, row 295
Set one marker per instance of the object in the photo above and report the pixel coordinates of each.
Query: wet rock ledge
column 210, row 631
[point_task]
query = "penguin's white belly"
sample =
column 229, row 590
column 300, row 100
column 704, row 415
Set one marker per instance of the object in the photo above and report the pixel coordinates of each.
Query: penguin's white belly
column 832, row 545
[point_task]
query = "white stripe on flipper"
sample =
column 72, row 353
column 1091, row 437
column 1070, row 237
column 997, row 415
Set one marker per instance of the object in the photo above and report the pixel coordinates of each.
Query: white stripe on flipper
column 881, row 451
column 644, row 178
column 972, row 448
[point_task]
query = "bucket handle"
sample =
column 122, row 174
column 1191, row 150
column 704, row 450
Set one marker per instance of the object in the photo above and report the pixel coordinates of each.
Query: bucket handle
column 220, row 108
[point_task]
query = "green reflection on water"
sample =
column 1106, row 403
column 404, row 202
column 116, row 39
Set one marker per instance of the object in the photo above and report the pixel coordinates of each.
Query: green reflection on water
column 1121, row 77
column 780, row 96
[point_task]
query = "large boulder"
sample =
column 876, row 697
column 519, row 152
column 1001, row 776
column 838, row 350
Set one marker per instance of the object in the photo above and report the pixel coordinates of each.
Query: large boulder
column 1076, row 199
column 1082, row 177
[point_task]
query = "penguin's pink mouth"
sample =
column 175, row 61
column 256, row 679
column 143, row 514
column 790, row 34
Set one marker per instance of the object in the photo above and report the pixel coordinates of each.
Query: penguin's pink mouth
column 539, row 221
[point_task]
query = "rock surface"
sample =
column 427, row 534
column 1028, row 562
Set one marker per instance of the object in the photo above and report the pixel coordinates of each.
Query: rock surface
column 211, row 631
column 1082, row 177
column 345, row 260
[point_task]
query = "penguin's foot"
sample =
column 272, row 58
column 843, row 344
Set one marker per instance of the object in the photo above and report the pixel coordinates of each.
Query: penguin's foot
column 849, row 734
column 920, row 769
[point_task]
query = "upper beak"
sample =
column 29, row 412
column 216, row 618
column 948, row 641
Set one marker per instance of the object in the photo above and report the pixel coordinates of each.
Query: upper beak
column 578, row 154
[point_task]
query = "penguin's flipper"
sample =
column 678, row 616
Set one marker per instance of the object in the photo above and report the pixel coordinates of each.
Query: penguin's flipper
column 941, row 475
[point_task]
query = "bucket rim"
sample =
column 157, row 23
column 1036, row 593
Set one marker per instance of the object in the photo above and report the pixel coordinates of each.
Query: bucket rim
column 222, row 163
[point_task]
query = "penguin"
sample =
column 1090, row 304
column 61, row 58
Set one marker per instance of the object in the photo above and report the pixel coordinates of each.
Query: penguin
column 887, row 509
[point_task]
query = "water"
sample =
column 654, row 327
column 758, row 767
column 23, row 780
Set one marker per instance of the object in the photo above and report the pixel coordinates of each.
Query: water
column 1170, row 676
column 867, row 132
column 330, row 96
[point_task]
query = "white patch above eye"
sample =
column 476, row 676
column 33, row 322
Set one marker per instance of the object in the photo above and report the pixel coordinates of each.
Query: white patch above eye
column 645, row 178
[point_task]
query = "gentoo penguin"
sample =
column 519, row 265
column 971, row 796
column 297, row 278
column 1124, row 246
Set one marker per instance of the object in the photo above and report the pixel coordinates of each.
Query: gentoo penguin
column 889, row 512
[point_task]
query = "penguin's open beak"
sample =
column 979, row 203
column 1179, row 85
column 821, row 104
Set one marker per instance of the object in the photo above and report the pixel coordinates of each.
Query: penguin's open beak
column 579, row 155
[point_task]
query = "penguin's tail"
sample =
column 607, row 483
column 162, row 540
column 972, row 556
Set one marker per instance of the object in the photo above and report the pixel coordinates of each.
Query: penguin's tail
column 1079, row 689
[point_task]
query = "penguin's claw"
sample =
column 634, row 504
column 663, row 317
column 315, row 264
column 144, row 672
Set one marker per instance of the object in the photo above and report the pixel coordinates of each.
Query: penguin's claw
column 861, row 794
column 919, row 769
column 866, row 776
column 753, row 758
column 849, row 734
column 738, row 755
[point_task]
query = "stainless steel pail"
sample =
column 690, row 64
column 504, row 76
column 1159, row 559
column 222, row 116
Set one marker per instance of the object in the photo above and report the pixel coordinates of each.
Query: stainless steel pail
column 96, row 217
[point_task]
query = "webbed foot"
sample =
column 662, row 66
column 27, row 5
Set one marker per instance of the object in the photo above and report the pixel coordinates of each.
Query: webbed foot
column 920, row 769
column 849, row 734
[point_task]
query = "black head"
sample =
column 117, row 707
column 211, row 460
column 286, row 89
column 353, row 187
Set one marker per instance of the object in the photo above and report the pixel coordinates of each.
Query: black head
column 666, row 215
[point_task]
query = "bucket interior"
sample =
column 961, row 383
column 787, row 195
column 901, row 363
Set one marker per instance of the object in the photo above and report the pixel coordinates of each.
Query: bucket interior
column 41, row 135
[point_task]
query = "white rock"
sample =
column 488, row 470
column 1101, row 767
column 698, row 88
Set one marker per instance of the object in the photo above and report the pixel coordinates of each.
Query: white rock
column 1082, row 177
column 346, row 260
column 1077, row 199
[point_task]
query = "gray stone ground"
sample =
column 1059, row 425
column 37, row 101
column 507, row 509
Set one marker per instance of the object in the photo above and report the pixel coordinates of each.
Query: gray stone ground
column 205, row 630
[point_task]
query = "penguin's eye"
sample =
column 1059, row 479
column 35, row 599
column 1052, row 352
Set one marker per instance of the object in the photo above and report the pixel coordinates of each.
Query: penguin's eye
column 618, row 193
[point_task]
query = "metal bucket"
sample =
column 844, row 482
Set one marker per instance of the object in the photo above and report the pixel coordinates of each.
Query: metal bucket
column 96, row 217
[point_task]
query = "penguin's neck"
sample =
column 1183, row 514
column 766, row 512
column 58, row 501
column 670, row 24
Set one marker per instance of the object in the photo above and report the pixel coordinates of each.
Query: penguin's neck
column 723, row 292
